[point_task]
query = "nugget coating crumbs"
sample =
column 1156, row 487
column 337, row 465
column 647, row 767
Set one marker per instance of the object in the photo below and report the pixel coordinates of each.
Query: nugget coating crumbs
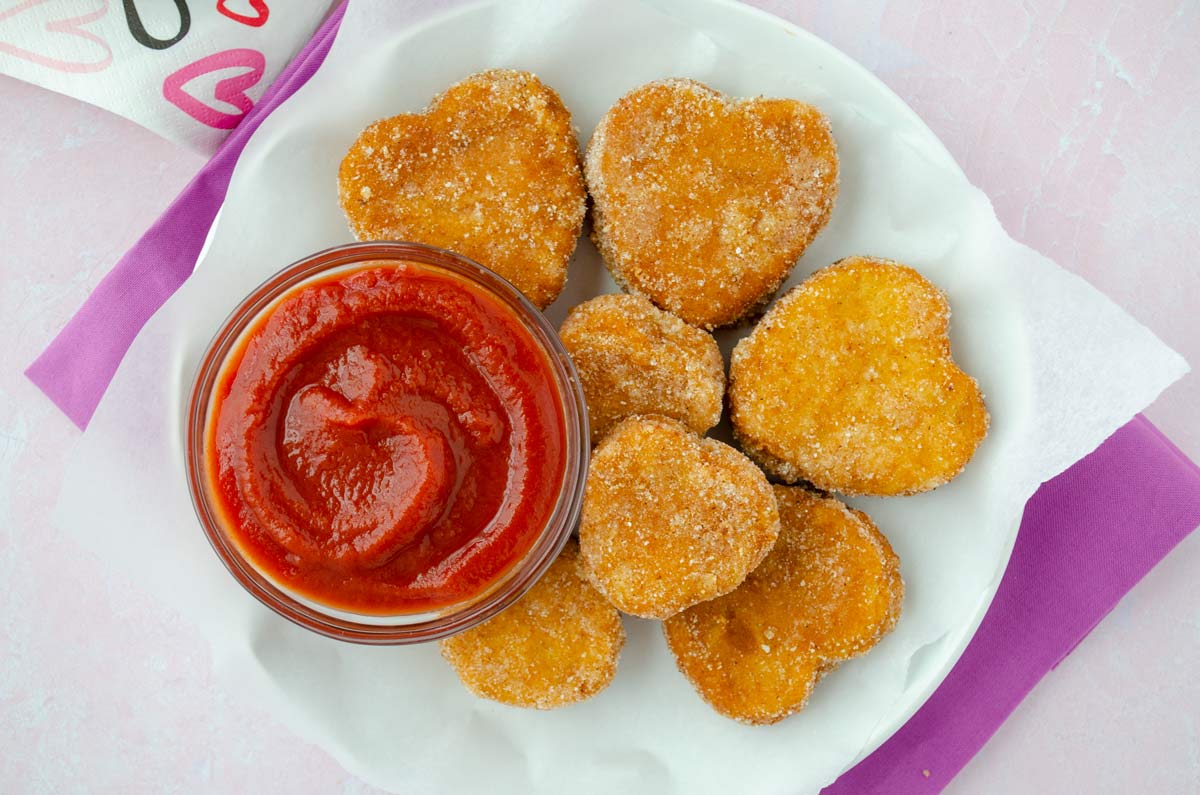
column 490, row 170
column 634, row 358
column 702, row 202
column 557, row 645
column 671, row 519
column 827, row 592
column 848, row 383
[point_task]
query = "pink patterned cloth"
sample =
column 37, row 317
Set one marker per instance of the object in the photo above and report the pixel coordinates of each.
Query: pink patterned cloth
column 1087, row 536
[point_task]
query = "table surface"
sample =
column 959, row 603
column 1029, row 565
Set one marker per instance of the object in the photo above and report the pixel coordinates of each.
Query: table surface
column 1079, row 119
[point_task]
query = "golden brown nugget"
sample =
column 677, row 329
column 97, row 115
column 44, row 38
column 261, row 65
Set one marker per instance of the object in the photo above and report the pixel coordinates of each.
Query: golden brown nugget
column 848, row 383
column 634, row 358
column 829, row 591
column 703, row 202
column 490, row 170
column 557, row 645
column 671, row 519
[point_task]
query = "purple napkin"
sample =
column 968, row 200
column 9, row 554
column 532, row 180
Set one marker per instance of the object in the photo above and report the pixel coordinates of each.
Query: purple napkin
column 80, row 363
column 1087, row 537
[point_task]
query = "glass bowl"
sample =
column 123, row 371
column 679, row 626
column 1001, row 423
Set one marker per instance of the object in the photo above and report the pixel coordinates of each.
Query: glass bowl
column 405, row 628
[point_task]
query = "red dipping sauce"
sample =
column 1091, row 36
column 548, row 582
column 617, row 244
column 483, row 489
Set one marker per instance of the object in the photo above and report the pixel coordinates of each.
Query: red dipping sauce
column 386, row 440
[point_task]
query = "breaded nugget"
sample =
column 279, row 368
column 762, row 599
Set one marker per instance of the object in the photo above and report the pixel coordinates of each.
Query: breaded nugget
column 703, row 202
column 634, row 358
column 848, row 383
column 490, row 170
column 557, row 645
column 671, row 519
column 829, row 590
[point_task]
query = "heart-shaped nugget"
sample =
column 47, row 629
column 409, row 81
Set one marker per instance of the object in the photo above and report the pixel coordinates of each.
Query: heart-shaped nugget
column 671, row 519
column 634, row 358
column 829, row 590
column 848, row 383
column 703, row 203
column 557, row 645
column 490, row 170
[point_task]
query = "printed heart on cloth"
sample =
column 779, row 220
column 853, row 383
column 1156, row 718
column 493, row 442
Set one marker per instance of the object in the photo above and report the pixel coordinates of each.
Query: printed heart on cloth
column 57, row 42
column 229, row 89
column 259, row 6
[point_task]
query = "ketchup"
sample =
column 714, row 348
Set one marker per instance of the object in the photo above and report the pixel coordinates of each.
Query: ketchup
column 387, row 440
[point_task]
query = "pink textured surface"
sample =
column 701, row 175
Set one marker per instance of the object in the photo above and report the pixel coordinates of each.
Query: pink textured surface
column 1078, row 119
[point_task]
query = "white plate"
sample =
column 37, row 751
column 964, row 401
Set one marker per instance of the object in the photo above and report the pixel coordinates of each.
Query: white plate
column 1056, row 360
column 301, row 162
